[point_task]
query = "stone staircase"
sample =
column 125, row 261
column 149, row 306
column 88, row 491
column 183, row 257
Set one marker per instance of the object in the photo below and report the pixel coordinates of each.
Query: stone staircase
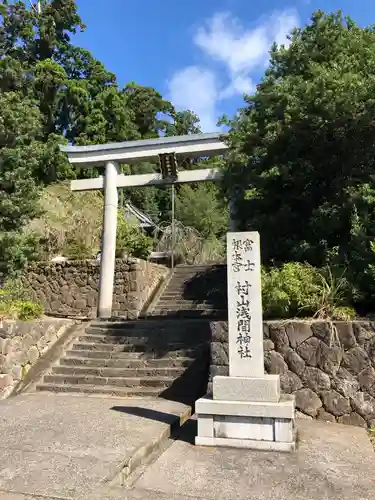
column 135, row 358
column 166, row 354
column 194, row 292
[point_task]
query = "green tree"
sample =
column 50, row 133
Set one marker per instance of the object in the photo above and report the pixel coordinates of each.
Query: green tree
column 183, row 123
column 52, row 92
column 148, row 108
column 21, row 154
column 302, row 161
column 200, row 207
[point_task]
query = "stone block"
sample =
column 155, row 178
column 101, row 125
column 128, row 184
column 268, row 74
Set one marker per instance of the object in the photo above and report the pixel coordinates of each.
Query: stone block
column 283, row 409
column 308, row 402
column 218, row 370
column 364, row 404
column 5, row 381
column 295, row 362
column 266, row 388
column 245, row 444
column 133, row 314
column 278, row 336
column 5, row 346
column 325, row 416
column 257, row 428
column 33, row 354
column 363, row 331
column 205, row 425
column 335, row 403
column 266, row 331
column 27, row 341
column 17, row 372
column 283, row 428
column 274, row 363
column 219, row 331
column 290, row 382
column 268, row 345
column 345, row 383
column 330, row 358
column 80, row 303
column 219, row 354
column 3, row 362
column 323, row 331
column 352, row 419
column 355, row 360
column 366, row 378
column 18, row 357
column 316, row 380
column 298, row 332
column 303, row 416
column 345, row 334
column 42, row 343
column 310, row 351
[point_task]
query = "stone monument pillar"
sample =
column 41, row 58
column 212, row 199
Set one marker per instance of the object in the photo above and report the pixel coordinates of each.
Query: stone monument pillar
column 246, row 409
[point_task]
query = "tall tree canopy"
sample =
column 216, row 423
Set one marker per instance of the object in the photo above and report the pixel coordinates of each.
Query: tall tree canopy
column 303, row 149
column 53, row 92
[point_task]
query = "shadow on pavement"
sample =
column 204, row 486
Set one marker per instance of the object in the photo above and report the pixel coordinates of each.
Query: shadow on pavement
column 185, row 433
column 138, row 411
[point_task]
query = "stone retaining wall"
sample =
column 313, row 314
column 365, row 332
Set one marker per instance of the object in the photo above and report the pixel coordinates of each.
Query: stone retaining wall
column 71, row 288
column 328, row 366
column 22, row 344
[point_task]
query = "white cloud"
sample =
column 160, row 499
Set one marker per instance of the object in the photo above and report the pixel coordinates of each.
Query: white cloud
column 226, row 41
column 195, row 88
column 231, row 47
column 239, row 85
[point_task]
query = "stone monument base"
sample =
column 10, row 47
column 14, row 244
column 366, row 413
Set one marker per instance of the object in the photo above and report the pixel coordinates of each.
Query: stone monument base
column 260, row 425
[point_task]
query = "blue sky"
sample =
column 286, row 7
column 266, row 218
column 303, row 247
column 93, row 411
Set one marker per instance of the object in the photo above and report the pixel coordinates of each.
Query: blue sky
column 201, row 54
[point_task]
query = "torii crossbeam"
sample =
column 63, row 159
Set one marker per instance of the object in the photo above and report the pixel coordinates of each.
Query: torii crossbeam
column 111, row 156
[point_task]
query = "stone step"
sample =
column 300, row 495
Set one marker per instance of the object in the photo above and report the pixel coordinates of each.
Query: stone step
column 190, row 313
column 193, row 269
column 140, row 346
column 183, row 304
column 127, row 363
column 141, row 325
column 198, row 274
column 159, row 339
column 108, row 390
column 187, row 305
column 156, row 354
column 93, row 346
column 58, row 379
column 118, row 372
column 175, row 289
column 170, row 294
column 82, row 353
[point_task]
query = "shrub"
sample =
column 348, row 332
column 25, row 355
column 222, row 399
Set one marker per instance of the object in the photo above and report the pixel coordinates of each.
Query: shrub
column 17, row 250
column 70, row 223
column 297, row 289
column 189, row 246
column 13, row 303
column 77, row 250
column 21, row 309
column 131, row 240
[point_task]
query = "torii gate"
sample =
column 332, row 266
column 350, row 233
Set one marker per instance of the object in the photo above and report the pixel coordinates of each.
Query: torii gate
column 111, row 156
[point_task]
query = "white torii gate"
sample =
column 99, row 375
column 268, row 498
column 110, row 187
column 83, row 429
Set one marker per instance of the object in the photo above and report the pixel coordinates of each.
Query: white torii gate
column 111, row 156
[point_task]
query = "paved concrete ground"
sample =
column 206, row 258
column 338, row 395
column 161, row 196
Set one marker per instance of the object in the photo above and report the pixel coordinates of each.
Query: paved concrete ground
column 333, row 462
column 55, row 447
column 67, row 446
